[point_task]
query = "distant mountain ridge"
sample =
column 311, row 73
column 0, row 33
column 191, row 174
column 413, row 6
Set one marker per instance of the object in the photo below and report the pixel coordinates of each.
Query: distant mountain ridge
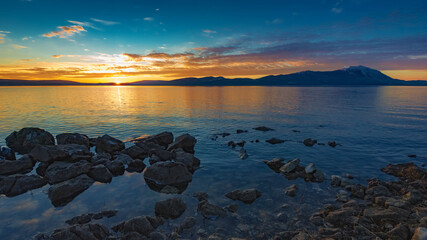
column 351, row 76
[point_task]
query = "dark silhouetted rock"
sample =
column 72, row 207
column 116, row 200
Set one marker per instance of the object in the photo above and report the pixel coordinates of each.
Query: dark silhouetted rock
column 263, row 129
column 161, row 154
column 61, row 171
column 41, row 168
column 162, row 139
column 115, row 167
column 136, row 165
column 201, row 196
column 22, row 165
column 100, row 173
column 291, row 190
column 188, row 159
column 87, row 232
column 332, row 144
column 7, row 153
column 68, row 152
column 232, row 208
column 27, row 138
column 412, row 155
column 170, row 208
column 406, row 170
column 188, row 223
column 231, row 144
column 247, row 196
column 136, row 152
column 73, row 138
column 124, row 158
column 238, row 131
column 275, row 164
column 186, row 142
column 169, row 173
column 108, row 144
column 17, row 184
column 209, row 210
column 241, row 143
column 309, row 142
column 275, row 141
column 62, row 193
column 290, row 166
column 243, row 154
column 143, row 225
column 100, row 158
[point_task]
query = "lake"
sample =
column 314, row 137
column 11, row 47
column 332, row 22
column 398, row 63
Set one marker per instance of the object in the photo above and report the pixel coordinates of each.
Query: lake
column 374, row 126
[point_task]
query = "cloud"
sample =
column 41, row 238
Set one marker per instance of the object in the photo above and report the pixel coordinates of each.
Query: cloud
column 15, row 46
column 336, row 10
column 2, row 35
column 65, row 31
column 209, row 31
column 57, row 56
column 105, row 22
column 85, row 24
column 149, row 19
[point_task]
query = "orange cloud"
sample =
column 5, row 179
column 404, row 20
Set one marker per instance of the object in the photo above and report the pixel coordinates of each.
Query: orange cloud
column 57, row 56
column 66, row 31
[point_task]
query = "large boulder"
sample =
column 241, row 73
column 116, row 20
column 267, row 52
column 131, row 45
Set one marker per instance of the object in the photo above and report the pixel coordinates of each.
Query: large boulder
column 108, row 144
column 89, row 231
column 188, row 159
column 143, row 225
column 169, row 173
column 22, row 165
column 100, row 173
column 7, row 153
column 290, row 166
column 62, row 193
column 162, row 139
column 115, row 167
column 73, row 138
column 170, row 208
column 135, row 152
column 69, row 152
column 61, row 171
column 20, row 183
column 406, row 170
column 27, row 138
column 186, row 142
column 275, row 164
column 209, row 210
column 247, row 195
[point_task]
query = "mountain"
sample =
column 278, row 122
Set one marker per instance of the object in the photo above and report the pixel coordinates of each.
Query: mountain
column 352, row 76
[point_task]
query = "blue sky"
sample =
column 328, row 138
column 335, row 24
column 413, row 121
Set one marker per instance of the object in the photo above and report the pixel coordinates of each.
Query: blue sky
column 135, row 40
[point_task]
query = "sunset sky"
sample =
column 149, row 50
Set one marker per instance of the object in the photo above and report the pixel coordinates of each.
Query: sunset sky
column 123, row 41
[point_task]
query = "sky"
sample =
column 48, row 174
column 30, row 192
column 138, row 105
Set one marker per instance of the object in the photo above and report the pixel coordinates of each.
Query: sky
column 130, row 40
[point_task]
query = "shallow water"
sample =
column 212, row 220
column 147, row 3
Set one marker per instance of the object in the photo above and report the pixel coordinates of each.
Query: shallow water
column 374, row 125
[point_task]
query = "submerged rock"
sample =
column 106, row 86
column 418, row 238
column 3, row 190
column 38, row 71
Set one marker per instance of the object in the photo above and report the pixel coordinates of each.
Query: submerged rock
column 310, row 168
column 87, row 231
column 26, row 139
column 275, row 141
column 22, row 165
column 290, row 166
column 247, row 195
column 243, row 154
column 62, row 193
column 309, row 142
column 275, row 164
column 238, row 131
column 263, row 128
column 170, row 208
column 169, row 173
column 332, row 144
column 108, row 144
column 209, row 210
column 291, row 190
column 186, row 142
column 241, row 143
column 143, row 225
column 73, row 138
column 61, row 171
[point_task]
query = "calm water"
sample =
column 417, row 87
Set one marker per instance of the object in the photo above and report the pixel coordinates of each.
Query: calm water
column 374, row 125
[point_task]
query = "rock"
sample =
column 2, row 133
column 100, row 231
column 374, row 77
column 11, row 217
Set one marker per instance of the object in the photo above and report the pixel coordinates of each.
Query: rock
column 115, row 167
column 161, row 174
column 309, row 142
column 201, row 196
column 406, row 170
column 162, row 154
column 7, row 153
column 188, row 159
column 336, row 181
column 318, row 176
column 69, row 152
column 87, row 231
column 27, row 138
column 380, row 215
column 73, row 138
column 143, row 225
column 420, row 234
column 100, row 158
column 62, row 193
column 100, row 173
column 157, row 236
column 263, row 129
column 82, row 219
column 108, row 144
column 222, row 134
column 124, row 158
column 275, row 164
column 413, row 196
column 162, row 139
column 310, row 168
column 347, row 175
column 332, row 144
column 241, row 143
column 238, row 131
column 247, row 196
column 209, row 210
column 343, row 196
column 170, row 208
column 242, row 154
column 61, row 171
column 400, row 232
column 340, row 217
column 17, row 184
column 231, row 144
column 290, row 166
column 186, row 142
column 188, row 223
column 136, row 152
column 169, row 190
column 282, row 217
column 412, row 155
column 41, row 168
column 275, row 141
column 24, row 164
column 136, row 165
column 232, row 208
column 377, row 191
column 292, row 190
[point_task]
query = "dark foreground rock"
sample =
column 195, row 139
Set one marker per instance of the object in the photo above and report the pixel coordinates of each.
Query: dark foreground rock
column 100, row 173
column 291, row 190
column 189, row 160
column 22, row 165
column 7, row 153
column 186, row 142
column 275, row 164
column 61, row 171
column 406, row 170
column 163, row 174
column 87, row 232
column 26, row 139
column 62, row 193
column 211, row 211
column 67, row 152
column 143, row 225
column 263, row 129
column 247, row 196
column 108, row 144
column 73, row 138
column 86, row 218
column 162, row 139
column 170, row 208
column 17, row 184
column 309, row 142
column 275, row 141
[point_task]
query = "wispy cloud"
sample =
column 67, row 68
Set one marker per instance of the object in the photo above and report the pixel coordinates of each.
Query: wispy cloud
column 16, row 46
column 149, row 19
column 105, row 22
column 85, row 24
column 57, row 56
column 65, row 31
column 2, row 35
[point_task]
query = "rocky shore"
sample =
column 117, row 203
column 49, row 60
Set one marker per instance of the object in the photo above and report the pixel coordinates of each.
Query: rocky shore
column 70, row 163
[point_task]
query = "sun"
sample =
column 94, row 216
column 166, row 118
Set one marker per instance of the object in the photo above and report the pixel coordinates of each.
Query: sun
column 117, row 83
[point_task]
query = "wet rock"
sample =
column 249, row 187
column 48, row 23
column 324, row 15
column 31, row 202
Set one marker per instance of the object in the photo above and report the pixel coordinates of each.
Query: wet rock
column 243, row 154
column 275, row 164
column 201, row 196
column 400, row 232
column 124, row 158
column 263, row 129
column 349, row 176
column 162, row 155
column 87, row 231
column 231, row 144
column 232, row 208
column 100, row 173
column 380, row 215
column 247, row 196
column 115, row 167
column 282, row 217
column 413, row 196
column 136, row 152
column 26, row 139
column 62, row 193
column 188, row 159
column 170, row 190
column 7, row 153
column 73, row 138
column 22, row 165
column 292, row 190
column 108, row 144
column 332, row 144
column 52, row 153
column 162, row 139
column 143, row 225
column 238, row 131
column 225, row 134
column 310, row 168
column 343, row 196
column 188, row 223
column 61, row 171
column 82, row 219
column 161, row 174
column 241, row 143
column 406, row 170
column 209, row 210
column 136, row 165
column 340, row 217
column 186, row 142
column 100, row 158
column 336, row 181
column 170, row 208
column 290, row 166
column 309, row 142
column 41, row 168
column 157, row 236
column 377, row 191
column 275, row 141
column 18, row 184
column 412, row 155
column 420, row 234
column 318, row 176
